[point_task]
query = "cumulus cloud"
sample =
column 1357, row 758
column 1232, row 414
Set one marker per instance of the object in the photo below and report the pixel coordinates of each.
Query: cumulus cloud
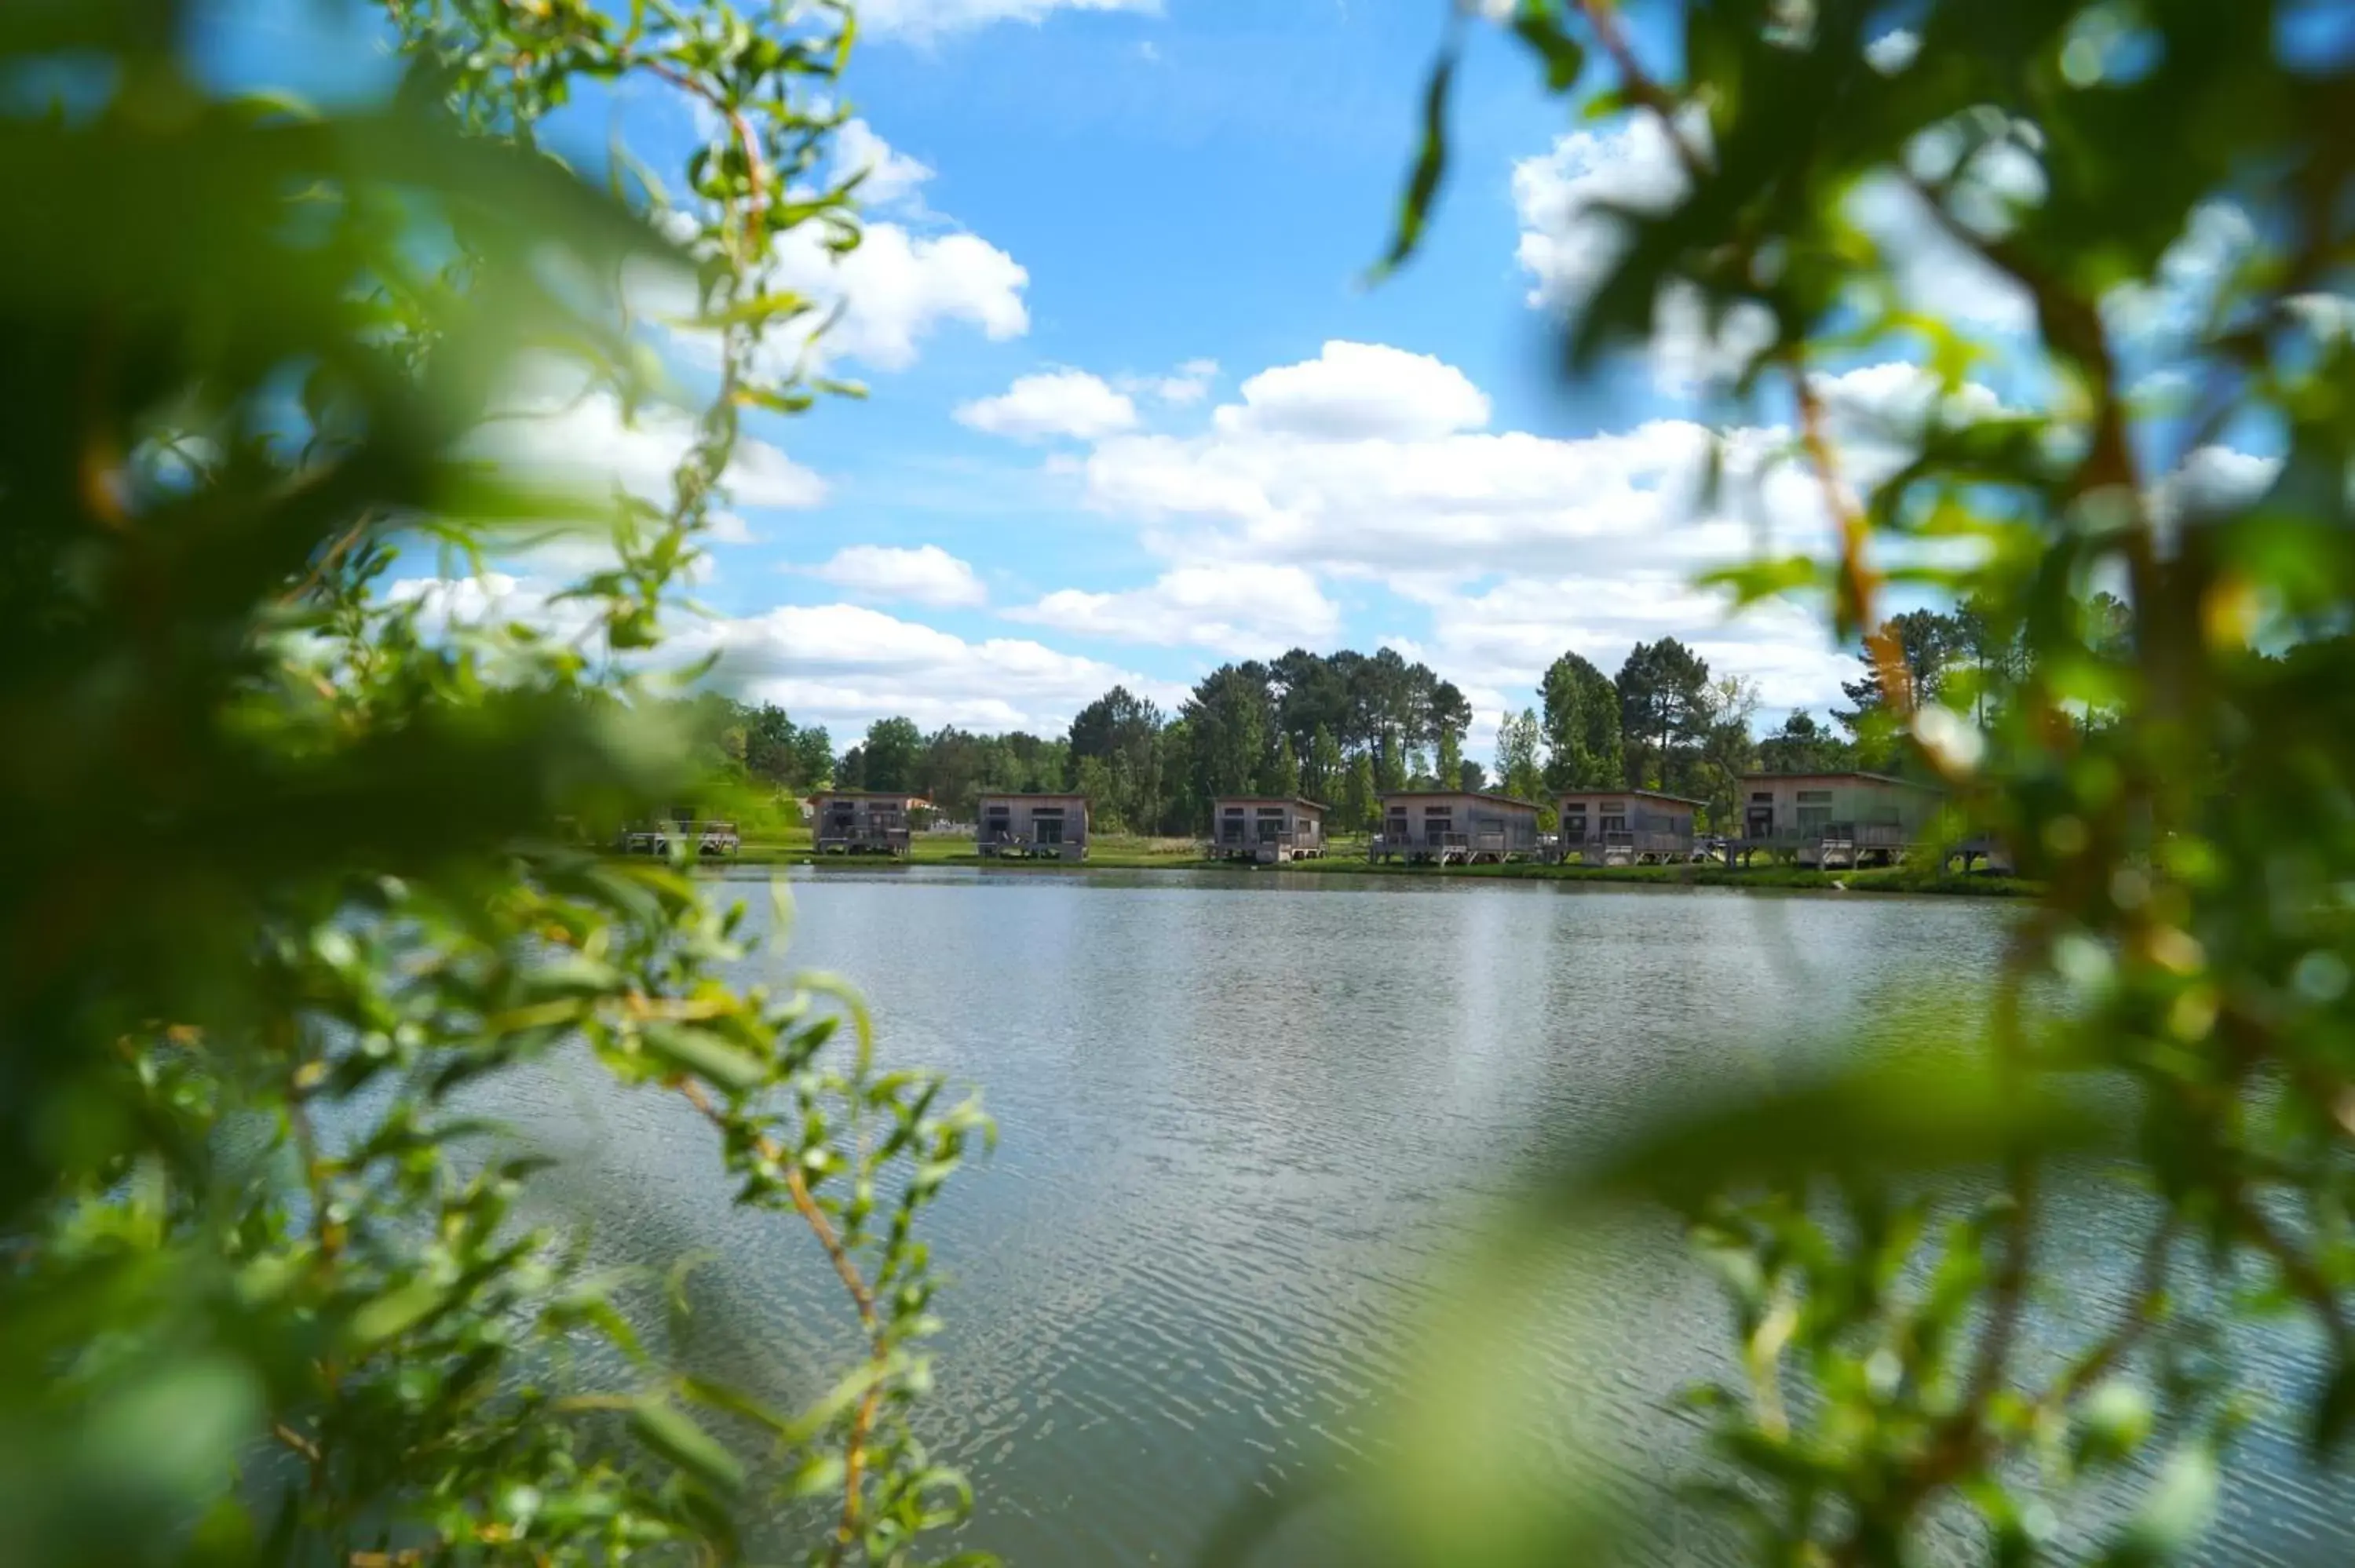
column 1188, row 384
column 1058, row 403
column 1244, row 610
column 549, row 430
column 910, row 274
column 1460, row 503
column 845, row 666
column 1358, row 391
column 2212, row 480
column 899, row 286
column 924, row 20
column 926, row 575
column 1568, row 199
column 1892, row 51
column 1508, row 634
column 1517, row 545
column 1569, row 240
column 2217, row 238
column 1935, row 271
column 891, row 177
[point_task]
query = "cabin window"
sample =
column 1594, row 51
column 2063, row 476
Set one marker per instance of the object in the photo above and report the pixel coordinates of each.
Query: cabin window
column 1048, row 830
column 1234, row 810
column 1815, row 811
column 1439, row 810
column 1267, row 812
column 1573, row 827
column 1615, row 822
column 1762, row 797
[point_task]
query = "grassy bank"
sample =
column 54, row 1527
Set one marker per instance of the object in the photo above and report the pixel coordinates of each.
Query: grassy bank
column 1118, row 853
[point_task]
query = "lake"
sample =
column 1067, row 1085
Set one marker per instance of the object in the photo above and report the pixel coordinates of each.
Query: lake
column 1246, row 1120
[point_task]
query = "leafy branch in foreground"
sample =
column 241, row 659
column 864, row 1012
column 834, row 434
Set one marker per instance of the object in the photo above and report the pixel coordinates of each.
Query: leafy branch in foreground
column 2163, row 189
column 291, row 902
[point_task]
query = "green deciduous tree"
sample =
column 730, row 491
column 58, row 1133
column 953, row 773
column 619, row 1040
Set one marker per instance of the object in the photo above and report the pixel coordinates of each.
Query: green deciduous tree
column 892, row 756
column 1911, row 1377
column 1360, row 799
column 1321, row 775
column 1518, row 771
column 273, row 1290
column 1281, row 776
column 1581, row 726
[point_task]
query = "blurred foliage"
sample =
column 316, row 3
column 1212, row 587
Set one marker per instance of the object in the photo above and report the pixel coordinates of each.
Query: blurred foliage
column 287, row 878
column 2150, row 711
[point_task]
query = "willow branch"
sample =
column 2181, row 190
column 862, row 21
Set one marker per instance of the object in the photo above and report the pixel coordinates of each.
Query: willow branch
column 2135, row 1319
column 1603, row 16
column 846, row 1268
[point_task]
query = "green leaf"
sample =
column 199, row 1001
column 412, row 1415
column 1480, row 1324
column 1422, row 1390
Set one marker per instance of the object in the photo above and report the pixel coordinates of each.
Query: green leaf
column 395, row 1313
column 1539, row 24
column 1430, row 165
column 669, row 1433
column 2334, row 1409
column 704, row 1054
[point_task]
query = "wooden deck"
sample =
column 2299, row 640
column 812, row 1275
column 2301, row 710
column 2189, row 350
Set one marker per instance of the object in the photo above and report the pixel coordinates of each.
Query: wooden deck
column 1266, row 849
column 1626, row 848
column 1448, row 849
column 1029, row 846
column 893, row 841
column 708, row 839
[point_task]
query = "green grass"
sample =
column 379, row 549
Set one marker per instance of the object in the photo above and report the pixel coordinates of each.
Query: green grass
column 1122, row 852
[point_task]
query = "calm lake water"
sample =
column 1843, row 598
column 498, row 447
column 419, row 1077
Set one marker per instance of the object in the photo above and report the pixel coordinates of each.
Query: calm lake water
column 1245, row 1119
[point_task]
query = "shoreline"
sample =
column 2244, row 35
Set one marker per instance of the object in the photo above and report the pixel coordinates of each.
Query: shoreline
column 1781, row 879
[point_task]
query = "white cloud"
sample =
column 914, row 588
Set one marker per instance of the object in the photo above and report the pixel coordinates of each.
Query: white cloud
column 926, row 575
column 1358, row 391
column 1517, row 546
column 1506, row 635
column 844, row 665
column 1244, row 610
column 893, row 178
column 550, row 432
column 1058, row 403
column 1567, row 242
column 2212, row 480
column 1936, row 272
column 1892, row 51
column 1567, row 199
column 924, row 20
column 898, row 286
column 1456, row 504
column 2217, row 238
column 838, row 664
column 1188, row 384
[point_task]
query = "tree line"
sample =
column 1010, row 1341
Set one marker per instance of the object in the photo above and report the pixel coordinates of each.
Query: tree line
column 1346, row 727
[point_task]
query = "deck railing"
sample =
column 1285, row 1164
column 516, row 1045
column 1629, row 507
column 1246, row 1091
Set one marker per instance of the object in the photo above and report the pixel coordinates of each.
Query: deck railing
column 1632, row 845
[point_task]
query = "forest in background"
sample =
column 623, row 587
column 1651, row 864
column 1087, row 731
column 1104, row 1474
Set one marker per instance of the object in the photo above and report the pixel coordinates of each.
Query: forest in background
column 1344, row 727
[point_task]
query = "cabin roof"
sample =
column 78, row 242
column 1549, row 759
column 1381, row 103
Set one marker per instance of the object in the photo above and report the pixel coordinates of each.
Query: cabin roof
column 1846, row 773
column 1492, row 797
column 869, row 795
column 1269, row 800
column 1029, row 795
column 1599, row 793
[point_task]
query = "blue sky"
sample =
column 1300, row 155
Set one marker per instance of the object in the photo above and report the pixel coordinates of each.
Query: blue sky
column 1134, row 413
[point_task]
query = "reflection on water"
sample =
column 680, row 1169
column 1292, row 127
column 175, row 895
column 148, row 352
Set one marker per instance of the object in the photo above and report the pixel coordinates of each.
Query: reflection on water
column 1241, row 1116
